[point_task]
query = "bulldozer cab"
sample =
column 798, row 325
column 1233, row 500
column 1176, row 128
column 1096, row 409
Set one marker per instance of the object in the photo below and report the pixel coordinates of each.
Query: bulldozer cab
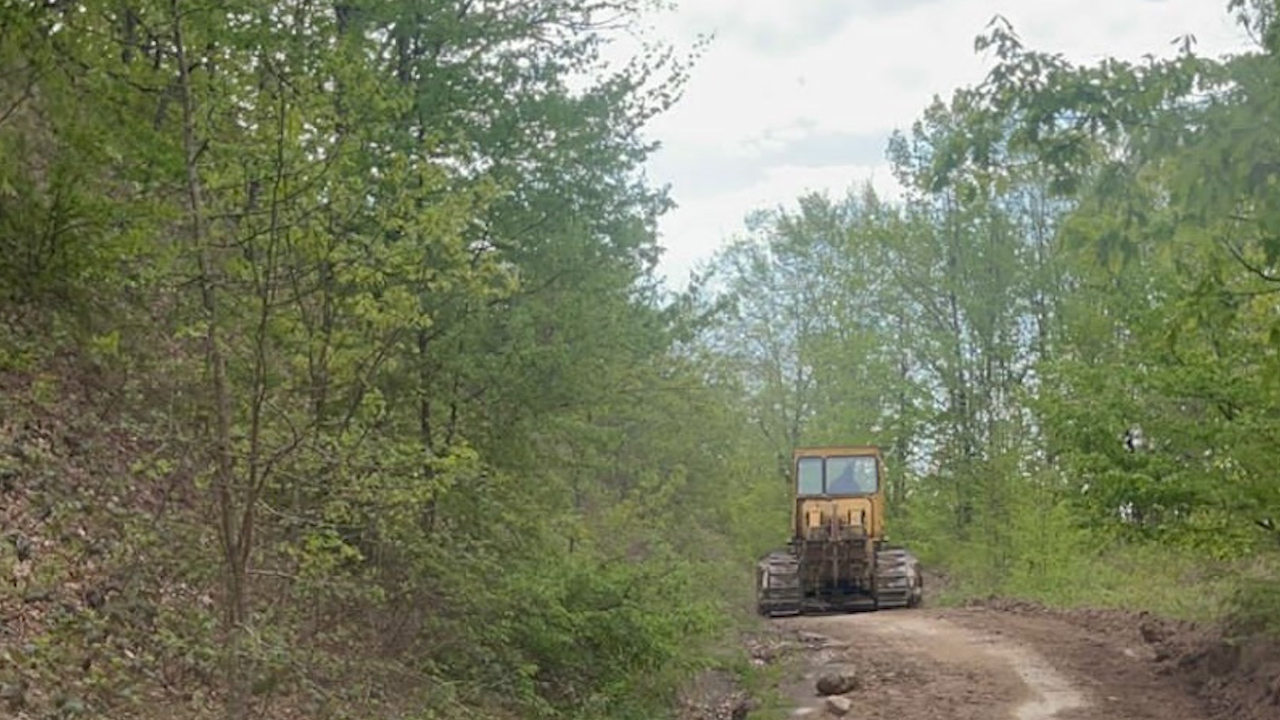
column 838, row 490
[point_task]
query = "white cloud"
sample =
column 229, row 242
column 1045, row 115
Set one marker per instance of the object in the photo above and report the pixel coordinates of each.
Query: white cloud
column 761, row 92
column 692, row 231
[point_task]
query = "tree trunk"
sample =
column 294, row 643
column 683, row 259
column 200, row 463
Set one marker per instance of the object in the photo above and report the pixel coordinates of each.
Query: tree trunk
column 235, row 575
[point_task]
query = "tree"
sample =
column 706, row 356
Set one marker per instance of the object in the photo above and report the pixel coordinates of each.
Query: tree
column 381, row 278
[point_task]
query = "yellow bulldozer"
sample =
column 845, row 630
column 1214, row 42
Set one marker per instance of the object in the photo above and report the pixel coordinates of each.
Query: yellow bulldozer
column 839, row 558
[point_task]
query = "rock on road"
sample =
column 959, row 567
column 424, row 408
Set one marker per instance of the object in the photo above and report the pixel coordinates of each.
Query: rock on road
column 976, row 665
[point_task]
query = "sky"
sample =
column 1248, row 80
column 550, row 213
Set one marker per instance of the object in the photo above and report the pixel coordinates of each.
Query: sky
column 799, row 95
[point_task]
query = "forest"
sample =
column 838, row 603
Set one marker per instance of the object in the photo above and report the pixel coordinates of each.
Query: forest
column 337, row 381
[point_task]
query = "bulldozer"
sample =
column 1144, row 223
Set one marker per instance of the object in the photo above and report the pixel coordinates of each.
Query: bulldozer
column 839, row 558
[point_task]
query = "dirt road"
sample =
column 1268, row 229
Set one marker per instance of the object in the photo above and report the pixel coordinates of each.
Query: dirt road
column 978, row 664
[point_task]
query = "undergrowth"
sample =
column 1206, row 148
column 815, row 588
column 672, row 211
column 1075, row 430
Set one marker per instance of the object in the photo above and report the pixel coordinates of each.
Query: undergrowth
column 1253, row 606
column 1041, row 553
column 1154, row 579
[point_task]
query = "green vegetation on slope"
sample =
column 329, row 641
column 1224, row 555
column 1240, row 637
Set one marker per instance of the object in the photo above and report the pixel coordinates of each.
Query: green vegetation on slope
column 336, row 383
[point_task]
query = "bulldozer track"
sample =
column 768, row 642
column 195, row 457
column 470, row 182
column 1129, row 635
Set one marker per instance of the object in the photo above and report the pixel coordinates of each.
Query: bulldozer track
column 897, row 580
column 781, row 593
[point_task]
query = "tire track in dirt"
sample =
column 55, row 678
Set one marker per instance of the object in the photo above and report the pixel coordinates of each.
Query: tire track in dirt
column 975, row 665
column 1046, row 692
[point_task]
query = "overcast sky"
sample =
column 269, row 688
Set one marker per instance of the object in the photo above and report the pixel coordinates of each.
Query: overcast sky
column 797, row 95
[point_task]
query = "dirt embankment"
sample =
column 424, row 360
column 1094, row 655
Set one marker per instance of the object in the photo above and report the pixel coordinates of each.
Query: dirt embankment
column 1019, row 661
column 1237, row 679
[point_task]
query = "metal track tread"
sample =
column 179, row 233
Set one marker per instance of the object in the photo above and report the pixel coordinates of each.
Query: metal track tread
column 896, row 582
column 779, row 588
column 779, row 591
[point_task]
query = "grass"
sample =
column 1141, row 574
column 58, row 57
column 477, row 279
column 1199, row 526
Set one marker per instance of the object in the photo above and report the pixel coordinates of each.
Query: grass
column 764, row 685
column 1168, row 582
column 762, row 682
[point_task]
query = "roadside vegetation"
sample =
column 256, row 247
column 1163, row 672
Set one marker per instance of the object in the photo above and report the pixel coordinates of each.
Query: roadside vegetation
column 334, row 379
column 1066, row 333
column 336, row 382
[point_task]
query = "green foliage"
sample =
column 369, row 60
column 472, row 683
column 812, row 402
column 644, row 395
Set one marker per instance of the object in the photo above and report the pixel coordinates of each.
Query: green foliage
column 342, row 320
column 1064, row 334
column 374, row 282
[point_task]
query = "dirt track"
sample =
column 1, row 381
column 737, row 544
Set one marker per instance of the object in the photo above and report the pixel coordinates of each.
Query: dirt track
column 978, row 664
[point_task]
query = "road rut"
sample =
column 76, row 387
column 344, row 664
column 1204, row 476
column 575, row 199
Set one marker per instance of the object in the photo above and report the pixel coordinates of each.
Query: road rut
column 979, row 665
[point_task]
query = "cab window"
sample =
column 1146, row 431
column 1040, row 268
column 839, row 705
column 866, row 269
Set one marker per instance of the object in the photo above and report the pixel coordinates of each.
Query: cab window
column 809, row 470
column 851, row 475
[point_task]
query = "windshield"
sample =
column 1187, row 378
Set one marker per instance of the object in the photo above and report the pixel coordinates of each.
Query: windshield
column 851, row 475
